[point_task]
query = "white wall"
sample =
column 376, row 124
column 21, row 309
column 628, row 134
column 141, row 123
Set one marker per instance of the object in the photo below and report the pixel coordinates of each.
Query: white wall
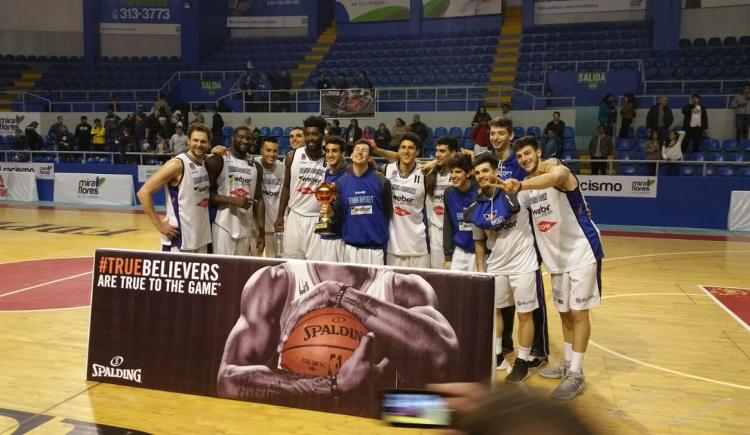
column 41, row 27
column 719, row 22
column 541, row 19
column 140, row 45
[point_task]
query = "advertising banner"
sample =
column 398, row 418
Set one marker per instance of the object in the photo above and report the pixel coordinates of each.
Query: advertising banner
column 204, row 90
column 460, row 8
column 348, row 103
column 620, row 186
column 576, row 6
column 267, row 13
column 18, row 186
column 368, row 11
column 321, row 336
column 10, row 120
column 153, row 17
column 146, row 171
column 42, row 171
column 109, row 189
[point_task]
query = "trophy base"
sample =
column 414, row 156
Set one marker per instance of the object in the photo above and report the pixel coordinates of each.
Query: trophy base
column 324, row 229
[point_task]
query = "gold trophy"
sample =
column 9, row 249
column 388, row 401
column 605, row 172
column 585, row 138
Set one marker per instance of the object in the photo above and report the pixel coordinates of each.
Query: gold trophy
column 325, row 194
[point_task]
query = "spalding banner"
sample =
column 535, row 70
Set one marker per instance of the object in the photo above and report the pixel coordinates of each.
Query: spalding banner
column 321, row 336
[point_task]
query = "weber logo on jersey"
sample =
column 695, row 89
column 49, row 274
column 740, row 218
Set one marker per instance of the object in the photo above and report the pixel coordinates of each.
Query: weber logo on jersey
column 360, row 210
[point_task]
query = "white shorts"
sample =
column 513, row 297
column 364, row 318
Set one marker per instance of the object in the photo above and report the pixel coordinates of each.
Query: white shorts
column 353, row 254
column 202, row 250
column 331, row 250
column 272, row 250
column 437, row 257
column 422, row 261
column 300, row 240
column 224, row 244
column 518, row 290
column 463, row 261
column 577, row 289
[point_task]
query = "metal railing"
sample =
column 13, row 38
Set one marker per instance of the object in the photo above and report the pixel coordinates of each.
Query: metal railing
column 27, row 156
column 687, row 87
column 614, row 166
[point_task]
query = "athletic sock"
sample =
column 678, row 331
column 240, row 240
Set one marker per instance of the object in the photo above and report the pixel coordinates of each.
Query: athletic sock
column 498, row 346
column 576, row 362
column 568, row 351
column 525, row 353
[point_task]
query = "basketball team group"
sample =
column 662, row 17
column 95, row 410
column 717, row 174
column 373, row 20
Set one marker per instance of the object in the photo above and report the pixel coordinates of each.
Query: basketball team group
column 504, row 212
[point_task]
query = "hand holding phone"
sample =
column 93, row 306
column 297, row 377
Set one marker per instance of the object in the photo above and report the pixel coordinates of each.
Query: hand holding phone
column 415, row 408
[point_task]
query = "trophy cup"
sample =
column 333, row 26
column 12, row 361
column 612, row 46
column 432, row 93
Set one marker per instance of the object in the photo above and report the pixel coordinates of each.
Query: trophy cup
column 325, row 194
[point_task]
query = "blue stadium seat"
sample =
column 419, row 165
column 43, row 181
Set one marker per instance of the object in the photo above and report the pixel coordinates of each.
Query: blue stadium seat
column 518, row 132
column 569, row 132
column 227, row 131
column 468, row 131
column 687, row 171
column 744, row 171
column 623, row 144
column 440, row 132
column 534, row 131
column 711, row 145
column 730, row 145
column 455, row 132
column 277, row 132
column 626, row 169
column 726, row 171
column 642, row 132
column 265, row 131
column 623, row 155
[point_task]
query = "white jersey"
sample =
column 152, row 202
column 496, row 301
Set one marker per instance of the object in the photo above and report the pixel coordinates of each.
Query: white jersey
column 566, row 236
column 306, row 176
column 407, row 231
column 187, row 207
column 435, row 204
column 511, row 246
column 273, row 181
column 303, row 277
column 238, row 178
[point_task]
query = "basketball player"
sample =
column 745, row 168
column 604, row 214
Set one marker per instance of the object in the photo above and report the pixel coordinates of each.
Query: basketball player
column 364, row 207
column 504, row 246
column 437, row 181
column 571, row 249
column 297, row 137
column 458, row 241
column 305, row 170
column 501, row 135
column 332, row 247
column 186, row 228
column 398, row 310
column 273, row 179
column 236, row 191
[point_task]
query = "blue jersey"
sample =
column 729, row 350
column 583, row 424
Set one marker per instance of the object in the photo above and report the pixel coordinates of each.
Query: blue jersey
column 456, row 230
column 364, row 206
column 510, row 168
column 333, row 179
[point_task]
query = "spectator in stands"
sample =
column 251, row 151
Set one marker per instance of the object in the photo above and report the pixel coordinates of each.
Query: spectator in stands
column 659, row 119
column 177, row 120
column 481, row 115
column 361, row 81
column 249, row 124
column 284, row 98
column 368, row 134
column 152, row 128
column 551, row 144
column 556, row 124
column 608, row 113
column 336, row 128
column 138, row 132
column 217, row 127
column 83, row 134
column 112, row 125
column 178, row 143
column 398, row 130
column 480, row 135
column 695, row 122
column 653, row 150
column 672, row 151
column 161, row 107
column 505, row 112
column 323, row 82
column 741, row 106
column 383, row 137
column 126, row 144
column 98, row 135
column 352, row 134
column 112, row 105
column 341, row 82
column 419, row 128
column 128, row 122
column 255, row 142
column 19, row 140
column 197, row 118
column 600, row 148
column 627, row 114
column 66, row 142
column 162, row 146
column 141, row 110
column 55, row 129
column 33, row 138
column 263, row 90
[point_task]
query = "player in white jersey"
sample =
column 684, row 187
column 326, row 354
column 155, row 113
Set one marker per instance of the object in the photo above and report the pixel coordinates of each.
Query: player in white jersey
column 186, row 228
column 273, row 180
column 236, row 191
column 305, row 170
column 407, row 233
column 437, row 181
column 504, row 247
column 571, row 249
column 398, row 310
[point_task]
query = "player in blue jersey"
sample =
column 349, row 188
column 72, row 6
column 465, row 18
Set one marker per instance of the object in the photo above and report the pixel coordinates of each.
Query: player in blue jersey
column 332, row 247
column 458, row 242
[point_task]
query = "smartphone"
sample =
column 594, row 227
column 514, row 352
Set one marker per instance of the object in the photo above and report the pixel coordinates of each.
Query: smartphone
column 414, row 408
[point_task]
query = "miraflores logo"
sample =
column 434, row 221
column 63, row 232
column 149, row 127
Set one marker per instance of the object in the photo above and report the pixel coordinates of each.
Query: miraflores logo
column 114, row 371
column 643, row 186
column 8, row 124
column 619, row 186
column 90, row 186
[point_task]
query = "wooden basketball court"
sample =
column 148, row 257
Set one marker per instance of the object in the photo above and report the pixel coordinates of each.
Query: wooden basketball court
column 664, row 356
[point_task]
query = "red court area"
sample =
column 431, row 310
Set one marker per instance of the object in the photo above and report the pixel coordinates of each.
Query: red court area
column 735, row 300
column 45, row 284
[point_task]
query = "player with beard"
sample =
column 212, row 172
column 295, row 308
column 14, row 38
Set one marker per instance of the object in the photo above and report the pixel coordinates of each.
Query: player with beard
column 273, row 179
column 332, row 247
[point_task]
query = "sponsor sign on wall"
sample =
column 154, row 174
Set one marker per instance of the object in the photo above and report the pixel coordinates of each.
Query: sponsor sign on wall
column 153, row 17
column 618, row 186
column 42, row 171
column 109, row 189
column 18, row 186
column 460, row 8
column 267, row 14
column 9, row 121
column 163, row 321
column 348, row 103
column 576, row 6
column 367, row 11
column 146, row 171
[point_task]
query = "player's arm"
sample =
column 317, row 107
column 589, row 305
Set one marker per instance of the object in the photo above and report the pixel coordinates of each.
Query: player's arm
column 388, row 155
column 429, row 183
column 558, row 176
column 171, row 172
column 259, row 209
column 284, row 198
column 387, row 199
column 448, row 232
column 480, row 247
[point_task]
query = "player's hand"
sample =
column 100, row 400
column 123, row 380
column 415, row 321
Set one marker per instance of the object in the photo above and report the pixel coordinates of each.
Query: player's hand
column 447, row 265
column 219, row 150
column 359, row 368
column 243, row 202
column 429, row 167
column 320, row 296
column 511, row 185
column 462, row 397
column 279, row 224
column 260, row 244
column 167, row 230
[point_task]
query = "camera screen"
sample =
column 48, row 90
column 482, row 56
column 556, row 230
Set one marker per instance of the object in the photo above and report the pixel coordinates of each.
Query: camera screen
column 415, row 409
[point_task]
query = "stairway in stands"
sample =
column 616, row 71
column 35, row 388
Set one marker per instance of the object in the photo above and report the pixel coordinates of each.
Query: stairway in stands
column 25, row 83
column 503, row 75
column 316, row 54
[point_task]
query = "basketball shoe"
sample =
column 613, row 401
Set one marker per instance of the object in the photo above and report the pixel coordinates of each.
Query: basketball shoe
column 571, row 386
column 555, row 372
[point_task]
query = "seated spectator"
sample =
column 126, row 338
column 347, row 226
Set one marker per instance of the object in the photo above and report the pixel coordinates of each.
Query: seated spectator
column 607, row 113
column 672, row 151
column 178, row 143
column 197, row 118
column 263, row 91
column 323, row 82
column 505, row 112
column 419, row 128
column 480, row 115
column 653, row 146
column 162, row 146
column 341, row 82
column 368, row 134
column 66, row 141
column 660, row 118
column 361, row 81
column 556, row 124
column 480, row 135
column 627, row 114
column 551, row 145
column 98, row 135
column 600, row 148
column 383, row 137
column 398, row 130
column 161, row 107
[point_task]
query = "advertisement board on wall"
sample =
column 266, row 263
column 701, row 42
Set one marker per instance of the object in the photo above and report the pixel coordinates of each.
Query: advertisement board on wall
column 369, row 11
column 108, row 189
column 620, row 186
column 153, row 17
column 42, row 171
column 348, row 103
column 460, row 8
column 578, row 6
column 9, row 121
column 18, row 186
column 266, row 14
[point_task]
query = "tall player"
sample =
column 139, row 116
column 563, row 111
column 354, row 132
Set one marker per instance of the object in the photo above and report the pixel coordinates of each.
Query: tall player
column 273, row 179
column 501, row 135
column 332, row 247
column 186, row 228
column 437, row 181
column 305, row 170
column 571, row 249
column 458, row 241
column 364, row 206
column 407, row 233
column 236, row 191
